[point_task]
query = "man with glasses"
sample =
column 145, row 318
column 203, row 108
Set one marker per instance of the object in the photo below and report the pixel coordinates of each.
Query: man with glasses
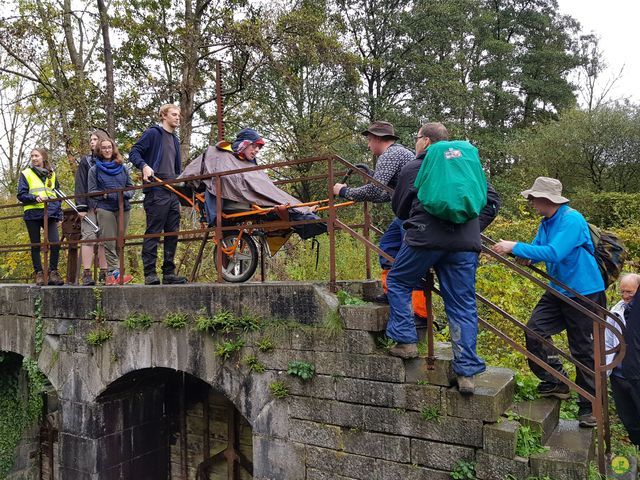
column 564, row 243
column 382, row 142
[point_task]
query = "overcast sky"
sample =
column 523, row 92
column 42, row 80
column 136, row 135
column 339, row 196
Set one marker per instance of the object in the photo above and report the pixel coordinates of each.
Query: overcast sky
column 616, row 22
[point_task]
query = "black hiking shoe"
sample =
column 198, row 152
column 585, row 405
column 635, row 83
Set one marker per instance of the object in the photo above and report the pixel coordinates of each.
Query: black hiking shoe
column 152, row 279
column 557, row 390
column 587, row 420
column 87, row 278
column 382, row 298
column 173, row 279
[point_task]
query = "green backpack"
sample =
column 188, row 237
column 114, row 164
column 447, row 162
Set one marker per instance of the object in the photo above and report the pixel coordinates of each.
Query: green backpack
column 451, row 183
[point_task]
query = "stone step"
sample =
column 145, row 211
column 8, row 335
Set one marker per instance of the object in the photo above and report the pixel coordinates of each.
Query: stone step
column 493, row 394
column 541, row 415
column 417, row 369
column 370, row 317
column 571, row 448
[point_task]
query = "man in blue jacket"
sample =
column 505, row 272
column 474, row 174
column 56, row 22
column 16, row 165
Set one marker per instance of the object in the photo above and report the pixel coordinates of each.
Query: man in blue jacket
column 157, row 154
column 564, row 243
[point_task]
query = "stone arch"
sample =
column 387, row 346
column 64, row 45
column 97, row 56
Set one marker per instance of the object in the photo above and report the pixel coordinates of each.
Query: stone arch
column 144, row 417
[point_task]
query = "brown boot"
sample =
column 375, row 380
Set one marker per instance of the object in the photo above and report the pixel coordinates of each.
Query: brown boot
column 55, row 278
column 40, row 278
column 404, row 350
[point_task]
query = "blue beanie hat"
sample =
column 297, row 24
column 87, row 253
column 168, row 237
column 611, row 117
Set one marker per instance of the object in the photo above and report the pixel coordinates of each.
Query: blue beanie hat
column 247, row 134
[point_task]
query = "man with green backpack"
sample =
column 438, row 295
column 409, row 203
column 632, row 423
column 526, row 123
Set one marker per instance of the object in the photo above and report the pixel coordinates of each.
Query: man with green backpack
column 564, row 242
column 440, row 196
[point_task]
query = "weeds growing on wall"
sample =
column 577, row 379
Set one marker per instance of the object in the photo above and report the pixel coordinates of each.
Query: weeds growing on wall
column 38, row 334
column 100, row 333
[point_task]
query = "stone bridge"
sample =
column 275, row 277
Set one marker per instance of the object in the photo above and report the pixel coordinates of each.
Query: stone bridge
column 213, row 399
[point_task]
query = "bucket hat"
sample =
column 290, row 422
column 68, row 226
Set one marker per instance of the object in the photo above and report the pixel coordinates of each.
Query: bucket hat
column 381, row 129
column 545, row 187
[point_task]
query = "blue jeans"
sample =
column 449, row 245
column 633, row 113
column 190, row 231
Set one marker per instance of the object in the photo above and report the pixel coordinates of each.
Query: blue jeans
column 390, row 242
column 456, row 273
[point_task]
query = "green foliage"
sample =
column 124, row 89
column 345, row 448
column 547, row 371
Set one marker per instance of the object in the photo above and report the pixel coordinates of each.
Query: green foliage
column 265, row 345
column 303, row 370
column 464, row 470
column 226, row 322
column 176, row 320
column 227, row 348
column 38, row 334
column 254, row 364
column 99, row 335
column 17, row 412
column 430, row 414
column 529, row 442
column 345, row 298
column 97, row 314
column 526, row 387
column 385, row 343
column 138, row 321
column 569, row 408
column 279, row 390
column 333, row 323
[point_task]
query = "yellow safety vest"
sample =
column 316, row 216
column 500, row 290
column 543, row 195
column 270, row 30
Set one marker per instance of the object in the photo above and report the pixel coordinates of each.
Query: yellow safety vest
column 39, row 188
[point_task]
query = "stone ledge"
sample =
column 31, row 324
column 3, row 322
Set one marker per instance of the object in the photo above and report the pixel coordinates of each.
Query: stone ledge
column 501, row 438
column 492, row 467
column 370, row 318
column 541, row 415
column 442, row 373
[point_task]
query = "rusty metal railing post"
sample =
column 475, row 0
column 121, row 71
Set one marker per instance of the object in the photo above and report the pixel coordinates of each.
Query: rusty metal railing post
column 365, row 234
column 219, row 103
column 44, row 245
column 219, row 234
column 428, row 295
column 600, row 391
column 331, row 229
column 120, row 240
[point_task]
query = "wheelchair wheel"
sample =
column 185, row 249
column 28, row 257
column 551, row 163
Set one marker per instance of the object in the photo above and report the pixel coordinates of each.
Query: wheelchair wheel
column 240, row 266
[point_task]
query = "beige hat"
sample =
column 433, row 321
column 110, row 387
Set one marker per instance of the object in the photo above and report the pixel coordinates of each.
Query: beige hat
column 545, row 187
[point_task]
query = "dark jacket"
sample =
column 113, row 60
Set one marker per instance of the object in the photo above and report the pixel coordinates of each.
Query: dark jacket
column 81, row 184
column 54, row 208
column 148, row 150
column 99, row 180
column 423, row 230
column 631, row 360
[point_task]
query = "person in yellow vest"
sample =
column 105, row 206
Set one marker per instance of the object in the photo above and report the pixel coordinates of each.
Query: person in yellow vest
column 36, row 183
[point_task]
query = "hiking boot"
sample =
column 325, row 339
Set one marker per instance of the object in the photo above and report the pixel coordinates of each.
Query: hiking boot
column 55, row 278
column 466, row 385
column 404, row 350
column 152, row 279
column 40, row 278
column 382, row 298
column 557, row 390
column 587, row 420
column 102, row 276
column 173, row 279
column 87, row 278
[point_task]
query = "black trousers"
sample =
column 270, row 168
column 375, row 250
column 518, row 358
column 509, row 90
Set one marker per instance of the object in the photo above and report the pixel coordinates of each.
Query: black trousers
column 626, row 395
column 163, row 215
column 33, row 228
column 552, row 316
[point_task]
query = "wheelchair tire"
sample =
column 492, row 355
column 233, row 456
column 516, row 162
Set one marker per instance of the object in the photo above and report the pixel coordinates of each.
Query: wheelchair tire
column 243, row 264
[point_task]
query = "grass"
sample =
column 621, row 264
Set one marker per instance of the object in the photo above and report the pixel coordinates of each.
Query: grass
column 430, row 414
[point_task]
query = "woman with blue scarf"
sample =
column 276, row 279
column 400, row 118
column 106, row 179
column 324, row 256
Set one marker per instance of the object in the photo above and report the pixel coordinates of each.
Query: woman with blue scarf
column 107, row 174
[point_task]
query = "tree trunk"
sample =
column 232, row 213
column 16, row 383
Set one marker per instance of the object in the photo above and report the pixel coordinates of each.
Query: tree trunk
column 108, row 68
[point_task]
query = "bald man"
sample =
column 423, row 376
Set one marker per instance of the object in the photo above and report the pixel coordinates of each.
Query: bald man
column 626, row 393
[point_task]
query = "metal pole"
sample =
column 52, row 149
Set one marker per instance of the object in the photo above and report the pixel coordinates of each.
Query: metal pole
column 365, row 233
column 600, row 391
column 219, row 227
column 220, row 106
column 428, row 295
column 120, row 241
column 331, row 230
column 44, row 245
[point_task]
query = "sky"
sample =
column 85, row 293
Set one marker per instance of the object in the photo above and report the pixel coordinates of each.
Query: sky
column 616, row 22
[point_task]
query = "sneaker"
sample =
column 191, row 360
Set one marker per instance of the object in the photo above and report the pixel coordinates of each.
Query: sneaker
column 55, row 278
column 382, row 298
column 114, row 278
column 587, row 420
column 173, row 279
column 466, row 385
column 404, row 350
column 40, row 278
column 557, row 390
column 87, row 278
column 152, row 279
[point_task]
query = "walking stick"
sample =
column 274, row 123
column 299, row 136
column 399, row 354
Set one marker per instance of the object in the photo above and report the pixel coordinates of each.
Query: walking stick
column 61, row 194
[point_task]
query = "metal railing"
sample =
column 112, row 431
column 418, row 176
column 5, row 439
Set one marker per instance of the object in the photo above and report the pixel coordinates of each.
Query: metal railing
column 595, row 312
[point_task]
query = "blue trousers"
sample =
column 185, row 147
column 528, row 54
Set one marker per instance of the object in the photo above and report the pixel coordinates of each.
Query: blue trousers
column 456, row 273
column 390, row 242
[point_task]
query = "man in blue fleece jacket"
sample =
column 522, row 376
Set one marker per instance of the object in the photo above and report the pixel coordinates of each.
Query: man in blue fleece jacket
column 157, row 154
column 564, row 243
